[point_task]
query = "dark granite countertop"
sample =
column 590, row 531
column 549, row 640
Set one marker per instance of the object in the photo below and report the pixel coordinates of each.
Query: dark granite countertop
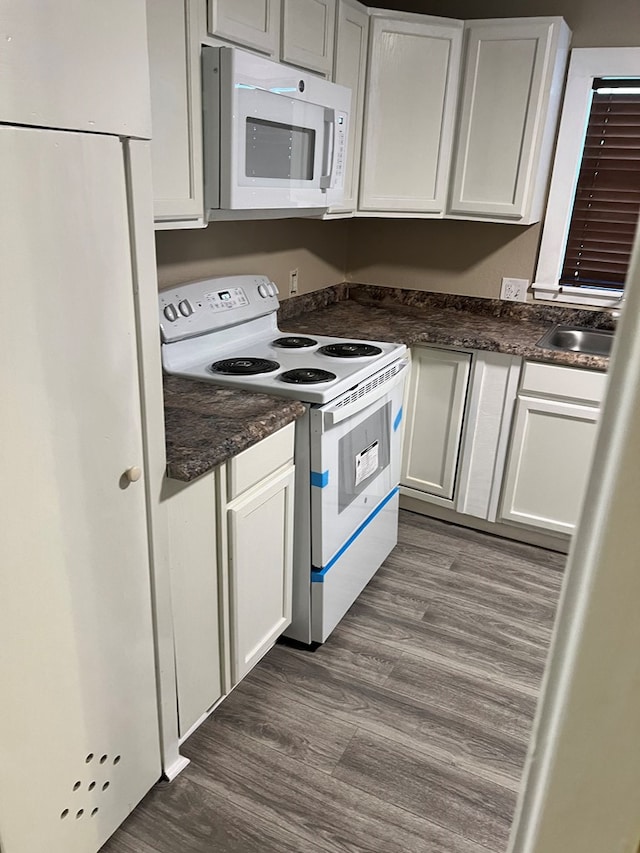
column 206, row 424
column 414, row 317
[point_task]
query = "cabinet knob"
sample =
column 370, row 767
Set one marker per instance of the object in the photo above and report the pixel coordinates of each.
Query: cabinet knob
column 133, row 474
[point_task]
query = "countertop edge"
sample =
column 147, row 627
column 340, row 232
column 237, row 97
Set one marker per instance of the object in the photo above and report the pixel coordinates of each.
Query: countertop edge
column 200, row 437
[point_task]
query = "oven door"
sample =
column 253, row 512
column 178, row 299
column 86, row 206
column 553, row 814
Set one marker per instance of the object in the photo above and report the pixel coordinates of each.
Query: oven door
column 355, row 465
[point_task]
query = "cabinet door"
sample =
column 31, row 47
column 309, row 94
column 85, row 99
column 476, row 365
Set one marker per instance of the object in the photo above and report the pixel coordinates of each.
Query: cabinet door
column 75, row 65
column 176, row 104
column 434, row 420
column 79, row 739
column 350, row 68
column 307, row 34
column 253, row 23
column 549, row 460
column 507, row 114
column 260, row 530
column 409, row 113
column 191, row 510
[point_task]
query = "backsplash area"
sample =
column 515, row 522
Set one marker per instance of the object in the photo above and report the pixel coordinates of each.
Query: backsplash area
column 317, row 249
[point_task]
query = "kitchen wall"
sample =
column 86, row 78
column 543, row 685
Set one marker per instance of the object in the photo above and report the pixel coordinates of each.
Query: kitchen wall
column 274, row 247
column 467, row 257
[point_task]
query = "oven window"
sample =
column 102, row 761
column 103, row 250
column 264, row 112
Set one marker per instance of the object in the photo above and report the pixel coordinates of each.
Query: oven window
column 363, row 453
column 280, row 151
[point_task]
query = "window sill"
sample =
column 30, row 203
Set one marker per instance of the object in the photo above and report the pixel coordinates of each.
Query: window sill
column 577, row 295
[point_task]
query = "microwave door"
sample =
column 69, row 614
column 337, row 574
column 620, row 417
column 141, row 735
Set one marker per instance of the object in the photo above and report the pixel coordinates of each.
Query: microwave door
column 277, row 152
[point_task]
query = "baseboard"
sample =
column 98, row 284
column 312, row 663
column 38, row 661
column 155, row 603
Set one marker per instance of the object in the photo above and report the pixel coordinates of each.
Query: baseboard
column 552, row 542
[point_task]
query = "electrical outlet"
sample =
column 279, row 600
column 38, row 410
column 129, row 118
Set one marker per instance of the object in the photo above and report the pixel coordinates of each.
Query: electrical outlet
column 293, row 282
column 514, row 289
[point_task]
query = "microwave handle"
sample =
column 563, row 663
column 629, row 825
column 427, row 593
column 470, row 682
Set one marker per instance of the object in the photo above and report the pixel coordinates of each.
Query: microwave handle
column 326, row 178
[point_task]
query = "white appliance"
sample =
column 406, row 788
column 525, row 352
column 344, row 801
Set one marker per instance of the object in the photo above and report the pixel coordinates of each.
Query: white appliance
column 275, row 137
column 347, row 456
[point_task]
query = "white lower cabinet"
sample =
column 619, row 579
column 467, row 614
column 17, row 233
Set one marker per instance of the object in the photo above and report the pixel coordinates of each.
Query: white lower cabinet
column 552, row 447
column 195, row 597
column 260, row 547
column 231, row 552
column 435, row 404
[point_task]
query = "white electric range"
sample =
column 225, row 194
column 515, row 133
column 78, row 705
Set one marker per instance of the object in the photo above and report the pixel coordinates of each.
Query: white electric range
column 224, row 330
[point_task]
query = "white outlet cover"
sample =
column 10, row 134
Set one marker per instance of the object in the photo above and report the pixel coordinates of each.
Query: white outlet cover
column 514, row 289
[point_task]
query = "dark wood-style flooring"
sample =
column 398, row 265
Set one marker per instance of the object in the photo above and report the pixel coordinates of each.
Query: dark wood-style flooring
column 405, row 733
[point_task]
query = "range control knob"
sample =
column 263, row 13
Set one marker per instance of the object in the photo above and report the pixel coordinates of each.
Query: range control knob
column 275, row 288
column 170, row 312
column 185, row 308
column 271, row 290
column 262, row 290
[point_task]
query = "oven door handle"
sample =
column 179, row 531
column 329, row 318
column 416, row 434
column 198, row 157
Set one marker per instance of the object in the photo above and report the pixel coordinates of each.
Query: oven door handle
column 335, row 414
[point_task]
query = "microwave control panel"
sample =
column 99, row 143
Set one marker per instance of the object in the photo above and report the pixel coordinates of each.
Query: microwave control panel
column 341, row 145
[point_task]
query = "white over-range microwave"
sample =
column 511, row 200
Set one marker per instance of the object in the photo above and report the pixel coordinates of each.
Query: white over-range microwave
column 275, row 137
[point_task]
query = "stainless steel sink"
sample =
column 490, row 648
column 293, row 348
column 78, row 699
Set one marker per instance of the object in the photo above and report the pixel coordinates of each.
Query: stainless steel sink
column 577, row 339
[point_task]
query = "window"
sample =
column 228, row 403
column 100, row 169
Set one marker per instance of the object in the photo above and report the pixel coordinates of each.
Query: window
column 594, row 199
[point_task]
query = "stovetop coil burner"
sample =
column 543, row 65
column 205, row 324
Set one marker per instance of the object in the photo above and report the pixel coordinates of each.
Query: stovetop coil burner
column 307, row 376
column 244, row 366
column 350, row 349
column 294, row 342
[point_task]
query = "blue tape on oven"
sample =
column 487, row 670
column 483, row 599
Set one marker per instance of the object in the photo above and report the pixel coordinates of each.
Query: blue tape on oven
column 398, row 420
column 320, row 479
column 317, row 575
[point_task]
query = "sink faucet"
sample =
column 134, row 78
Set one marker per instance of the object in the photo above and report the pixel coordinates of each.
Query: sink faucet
column 617, row 311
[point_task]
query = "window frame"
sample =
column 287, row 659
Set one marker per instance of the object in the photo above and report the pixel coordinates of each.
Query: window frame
column 585, row 66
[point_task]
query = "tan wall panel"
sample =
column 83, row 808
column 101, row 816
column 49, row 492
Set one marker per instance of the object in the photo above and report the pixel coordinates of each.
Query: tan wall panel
column 273, row 247
column 467, row 258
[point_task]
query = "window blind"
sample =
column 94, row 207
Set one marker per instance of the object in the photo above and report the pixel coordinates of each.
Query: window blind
column 607, row 200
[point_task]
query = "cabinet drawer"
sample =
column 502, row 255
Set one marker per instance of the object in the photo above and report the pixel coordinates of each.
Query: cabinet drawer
column 257, row 462
column 560, row 381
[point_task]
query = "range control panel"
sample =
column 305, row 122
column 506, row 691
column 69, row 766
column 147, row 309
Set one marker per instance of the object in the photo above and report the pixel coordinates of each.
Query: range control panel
column 227, row 300
column 215, row 303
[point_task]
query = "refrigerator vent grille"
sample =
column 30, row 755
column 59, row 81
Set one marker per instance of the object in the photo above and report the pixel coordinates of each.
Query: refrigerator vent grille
column 95, row 771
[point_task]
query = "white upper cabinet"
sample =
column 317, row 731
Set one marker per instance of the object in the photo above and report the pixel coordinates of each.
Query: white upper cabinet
column 410, row 106
column 252, row 23
column 308, row 28
column 350, row 69
column 42, row 48
column 514, row 70
column 176, row 107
